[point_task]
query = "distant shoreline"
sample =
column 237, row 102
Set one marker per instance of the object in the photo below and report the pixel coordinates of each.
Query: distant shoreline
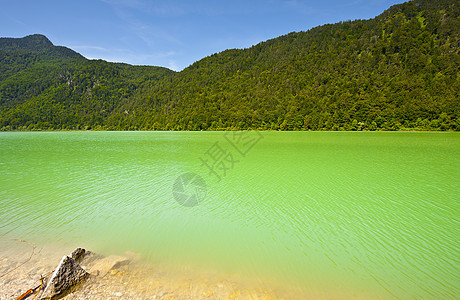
column 229, row 130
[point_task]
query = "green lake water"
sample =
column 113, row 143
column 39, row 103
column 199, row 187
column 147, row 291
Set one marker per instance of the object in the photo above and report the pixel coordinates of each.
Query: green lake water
column 336, row 214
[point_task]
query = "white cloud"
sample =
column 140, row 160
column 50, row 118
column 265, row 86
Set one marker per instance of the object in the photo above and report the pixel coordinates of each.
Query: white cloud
column 87, row 48
column 127, row 56
column 173, row 65
column 151, row 35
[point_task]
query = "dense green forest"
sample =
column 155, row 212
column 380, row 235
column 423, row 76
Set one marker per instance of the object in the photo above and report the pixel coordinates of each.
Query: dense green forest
column 398, row 71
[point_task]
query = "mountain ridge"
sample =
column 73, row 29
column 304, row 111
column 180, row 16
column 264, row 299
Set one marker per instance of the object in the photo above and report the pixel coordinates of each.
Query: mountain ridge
column 37, row 43
column 396, row 71
column 30, row 42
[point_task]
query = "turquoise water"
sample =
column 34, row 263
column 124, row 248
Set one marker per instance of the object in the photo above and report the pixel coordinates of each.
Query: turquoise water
column 336, row 214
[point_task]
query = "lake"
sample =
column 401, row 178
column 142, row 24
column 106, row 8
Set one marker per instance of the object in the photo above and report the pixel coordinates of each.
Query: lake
column 334, row 214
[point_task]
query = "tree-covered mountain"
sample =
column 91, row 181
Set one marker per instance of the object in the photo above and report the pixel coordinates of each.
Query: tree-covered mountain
column 399, row 70
column 43, row 86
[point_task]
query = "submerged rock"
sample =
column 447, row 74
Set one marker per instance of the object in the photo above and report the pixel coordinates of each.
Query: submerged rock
column 103, row 266
column 67, row 275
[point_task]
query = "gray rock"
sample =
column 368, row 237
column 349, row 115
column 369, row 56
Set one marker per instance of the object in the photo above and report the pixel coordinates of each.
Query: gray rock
column 89, row 258
column 67, row 275
column 103, row 266
column 78, row 253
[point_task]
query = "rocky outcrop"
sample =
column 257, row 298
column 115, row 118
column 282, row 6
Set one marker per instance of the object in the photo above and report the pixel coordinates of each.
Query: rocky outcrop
column 67, row 275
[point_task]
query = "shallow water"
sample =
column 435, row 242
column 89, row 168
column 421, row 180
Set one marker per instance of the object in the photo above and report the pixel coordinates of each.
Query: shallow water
column 334, row 214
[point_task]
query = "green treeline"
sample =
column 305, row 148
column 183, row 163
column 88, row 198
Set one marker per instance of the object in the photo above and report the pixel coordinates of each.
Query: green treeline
column 398, row 71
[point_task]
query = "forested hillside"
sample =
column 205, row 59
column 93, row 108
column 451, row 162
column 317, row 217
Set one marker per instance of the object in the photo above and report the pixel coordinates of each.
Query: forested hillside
column 397, row 71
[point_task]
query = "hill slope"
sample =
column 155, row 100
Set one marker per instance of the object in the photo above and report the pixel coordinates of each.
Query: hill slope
column 43, row 86
column 399, row 70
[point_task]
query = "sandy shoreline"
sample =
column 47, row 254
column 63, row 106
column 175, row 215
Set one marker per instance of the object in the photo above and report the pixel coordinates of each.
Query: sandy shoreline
column 22, row 266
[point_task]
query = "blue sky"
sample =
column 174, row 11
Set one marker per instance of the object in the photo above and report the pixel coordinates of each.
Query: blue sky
column 171, row 33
